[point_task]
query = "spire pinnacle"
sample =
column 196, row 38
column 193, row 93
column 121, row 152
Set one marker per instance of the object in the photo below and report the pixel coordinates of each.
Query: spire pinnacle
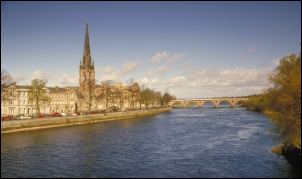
column 86, row 54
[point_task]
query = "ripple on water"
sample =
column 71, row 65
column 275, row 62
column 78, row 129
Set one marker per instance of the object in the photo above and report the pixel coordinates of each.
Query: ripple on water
column 192, row 142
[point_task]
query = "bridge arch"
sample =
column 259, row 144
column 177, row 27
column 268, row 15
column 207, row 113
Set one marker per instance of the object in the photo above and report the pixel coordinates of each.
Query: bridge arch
column 240, row 101
column 194, row 103
column 210, row 102
column 200, row 102
column 177, row 104
column 231, row 102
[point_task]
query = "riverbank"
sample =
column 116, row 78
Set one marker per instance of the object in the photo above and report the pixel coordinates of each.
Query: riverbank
column 291, row 153
column 44, row 123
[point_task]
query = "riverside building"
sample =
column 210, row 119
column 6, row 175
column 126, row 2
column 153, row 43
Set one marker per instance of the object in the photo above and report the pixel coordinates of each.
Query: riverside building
column 88, row 96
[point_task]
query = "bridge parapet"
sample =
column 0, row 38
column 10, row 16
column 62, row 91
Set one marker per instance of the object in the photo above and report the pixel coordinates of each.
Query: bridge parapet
column 233, row 101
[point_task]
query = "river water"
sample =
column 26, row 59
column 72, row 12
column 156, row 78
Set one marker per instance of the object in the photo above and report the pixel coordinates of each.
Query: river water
column 191, row 142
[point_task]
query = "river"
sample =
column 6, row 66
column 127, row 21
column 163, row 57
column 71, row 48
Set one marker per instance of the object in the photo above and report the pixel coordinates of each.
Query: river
column 186, row 142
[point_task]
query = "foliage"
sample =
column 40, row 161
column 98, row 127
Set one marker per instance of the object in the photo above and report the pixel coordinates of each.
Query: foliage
column 167, row 98
column 256, row 102
column 282, row 101
column 285, row 98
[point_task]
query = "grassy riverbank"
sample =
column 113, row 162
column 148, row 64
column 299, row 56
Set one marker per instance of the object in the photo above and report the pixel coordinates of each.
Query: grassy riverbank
column 44, row 123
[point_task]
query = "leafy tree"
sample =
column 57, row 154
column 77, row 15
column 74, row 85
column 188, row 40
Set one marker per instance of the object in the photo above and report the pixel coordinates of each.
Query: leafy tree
column 284, row 98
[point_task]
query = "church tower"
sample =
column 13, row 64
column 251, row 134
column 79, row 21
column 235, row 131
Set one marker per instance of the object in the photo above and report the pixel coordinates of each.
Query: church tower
column 87, row 78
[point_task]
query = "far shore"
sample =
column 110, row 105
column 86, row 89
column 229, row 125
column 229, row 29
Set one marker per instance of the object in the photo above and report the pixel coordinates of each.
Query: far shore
column 45, row 123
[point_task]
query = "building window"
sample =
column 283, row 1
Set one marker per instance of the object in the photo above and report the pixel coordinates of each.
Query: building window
column 11, row 110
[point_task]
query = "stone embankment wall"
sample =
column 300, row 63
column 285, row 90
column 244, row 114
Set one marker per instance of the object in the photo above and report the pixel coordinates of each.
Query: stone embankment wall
column 42, row 123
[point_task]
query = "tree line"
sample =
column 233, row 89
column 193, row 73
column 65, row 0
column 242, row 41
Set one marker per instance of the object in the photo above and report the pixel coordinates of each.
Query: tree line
column 137, row 94
column 281, row 101
column 110, row 94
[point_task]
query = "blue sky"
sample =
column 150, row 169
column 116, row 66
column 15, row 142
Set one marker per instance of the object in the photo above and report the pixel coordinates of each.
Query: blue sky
column 192, row 49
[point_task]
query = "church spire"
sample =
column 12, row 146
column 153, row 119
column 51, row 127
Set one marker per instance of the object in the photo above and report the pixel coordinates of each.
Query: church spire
column 86, row 54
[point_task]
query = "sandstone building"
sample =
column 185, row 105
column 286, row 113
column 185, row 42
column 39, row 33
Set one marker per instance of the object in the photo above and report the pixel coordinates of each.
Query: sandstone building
column 87, row 97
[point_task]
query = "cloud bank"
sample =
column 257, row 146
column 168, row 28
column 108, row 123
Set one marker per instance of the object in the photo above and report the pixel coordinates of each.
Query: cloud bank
column 163, row 74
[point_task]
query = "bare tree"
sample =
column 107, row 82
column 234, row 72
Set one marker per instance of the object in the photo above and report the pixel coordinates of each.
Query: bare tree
column 134, row 91
column 106, row 92
column 141, row 96
column 158, row 98
column 167, row 98
column 6, row 81
column 37, row 94
column 120, row 96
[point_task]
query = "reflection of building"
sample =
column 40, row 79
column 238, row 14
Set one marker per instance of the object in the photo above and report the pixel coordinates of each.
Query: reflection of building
column 88, row 96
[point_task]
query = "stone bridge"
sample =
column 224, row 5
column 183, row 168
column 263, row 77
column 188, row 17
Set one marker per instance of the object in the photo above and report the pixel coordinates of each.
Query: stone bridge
column 200, row 101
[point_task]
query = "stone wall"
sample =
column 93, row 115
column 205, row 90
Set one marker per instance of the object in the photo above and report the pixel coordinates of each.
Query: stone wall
column 41, row 123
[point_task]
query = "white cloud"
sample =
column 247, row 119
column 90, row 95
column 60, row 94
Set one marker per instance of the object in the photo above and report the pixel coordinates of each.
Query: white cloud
column 214, row 82
column 276, row 62
column 144, row 80
column 158, row 71
column 165, row 57
column 53, row 78
column 129, row 67
column 21, row 79
column 116, row 74
column 105, row 70
column 178, row 79
column 147, row 81
column 68, row 80
column 220, row 82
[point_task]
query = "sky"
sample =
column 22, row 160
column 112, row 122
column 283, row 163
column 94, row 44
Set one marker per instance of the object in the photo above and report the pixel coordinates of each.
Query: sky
column 190, row 49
